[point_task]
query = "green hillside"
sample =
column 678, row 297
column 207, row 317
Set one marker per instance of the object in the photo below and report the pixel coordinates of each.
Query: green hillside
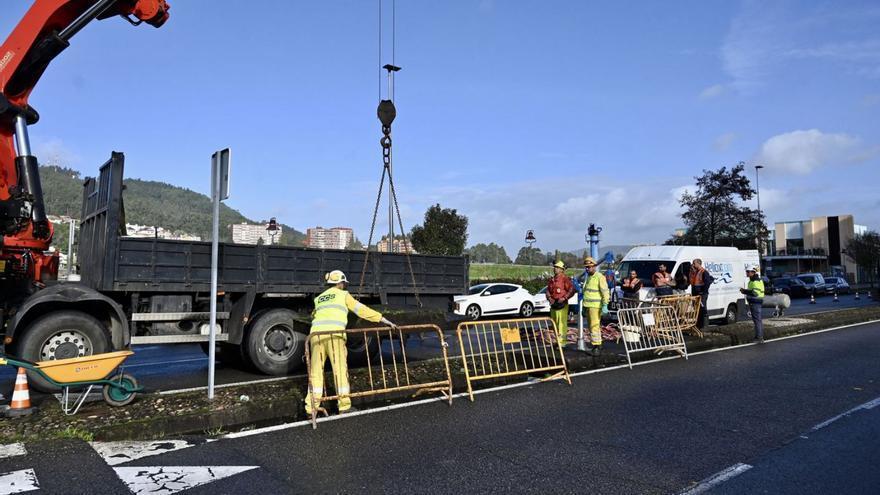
column 148, row 203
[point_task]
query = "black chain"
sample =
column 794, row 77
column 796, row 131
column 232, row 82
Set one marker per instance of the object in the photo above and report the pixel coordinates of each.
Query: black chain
column 372, row 228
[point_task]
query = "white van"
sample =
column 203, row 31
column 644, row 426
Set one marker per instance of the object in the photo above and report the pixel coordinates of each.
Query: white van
column 726, row 264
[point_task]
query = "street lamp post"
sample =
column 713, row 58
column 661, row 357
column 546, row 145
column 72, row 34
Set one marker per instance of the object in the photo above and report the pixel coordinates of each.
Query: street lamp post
column 272, row 229
column 530, row 241
column 758, row 195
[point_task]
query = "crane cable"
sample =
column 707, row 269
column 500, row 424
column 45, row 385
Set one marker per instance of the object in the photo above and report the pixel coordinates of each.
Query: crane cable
column 386, row 113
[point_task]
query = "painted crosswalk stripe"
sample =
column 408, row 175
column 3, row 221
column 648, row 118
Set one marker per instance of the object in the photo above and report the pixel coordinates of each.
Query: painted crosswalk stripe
column 165, row 480
column 18, row 482
column 12, row 450
column 121, row 452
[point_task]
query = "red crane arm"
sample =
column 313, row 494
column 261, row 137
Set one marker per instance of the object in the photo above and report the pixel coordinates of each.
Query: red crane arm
column 43, row 33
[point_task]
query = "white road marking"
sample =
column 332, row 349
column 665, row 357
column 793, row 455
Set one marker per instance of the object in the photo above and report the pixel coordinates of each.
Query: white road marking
column 115, row 453
column 18, row 482
column 866, row 406
column 165, row 480
column 297, row 424
column 12, row 450
column 717, row 479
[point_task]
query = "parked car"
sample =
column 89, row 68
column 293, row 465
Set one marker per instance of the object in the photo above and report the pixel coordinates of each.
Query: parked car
column 792, row 286
column 494, row 299
column 815, row 283
column 837, row 284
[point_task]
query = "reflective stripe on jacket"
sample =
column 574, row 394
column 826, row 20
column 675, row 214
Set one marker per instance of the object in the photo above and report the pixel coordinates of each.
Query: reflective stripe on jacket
column 332, row 307
column 596, row 291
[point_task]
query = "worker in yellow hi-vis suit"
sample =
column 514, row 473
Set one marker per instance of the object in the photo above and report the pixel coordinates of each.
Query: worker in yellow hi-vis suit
column 331, row 314
column 596, row 297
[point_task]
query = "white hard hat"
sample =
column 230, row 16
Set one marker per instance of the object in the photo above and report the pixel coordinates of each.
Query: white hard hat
column 753, row 268
column 335, row 277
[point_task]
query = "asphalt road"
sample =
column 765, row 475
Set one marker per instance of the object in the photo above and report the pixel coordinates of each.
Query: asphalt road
column 183, row 366
column 659, row 428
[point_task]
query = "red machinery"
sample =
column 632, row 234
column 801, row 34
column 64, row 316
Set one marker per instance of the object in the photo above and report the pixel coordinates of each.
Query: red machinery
column 39, row 37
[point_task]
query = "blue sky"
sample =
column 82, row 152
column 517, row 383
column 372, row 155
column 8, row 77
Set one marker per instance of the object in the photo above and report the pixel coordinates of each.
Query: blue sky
column 541, row 115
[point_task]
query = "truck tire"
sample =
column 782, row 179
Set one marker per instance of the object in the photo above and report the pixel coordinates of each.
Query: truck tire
column 358, row 350
column 731, row 315
column 61, row 335
column 272, row 345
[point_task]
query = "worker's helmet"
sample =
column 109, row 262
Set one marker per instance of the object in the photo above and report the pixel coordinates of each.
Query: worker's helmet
column 559, row 264
column 335, row 277
column 753, row 268
column 589, row 261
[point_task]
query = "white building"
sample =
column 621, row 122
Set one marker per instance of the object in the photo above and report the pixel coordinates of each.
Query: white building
column 246, row 233
column 398, row 246
column 335, row 238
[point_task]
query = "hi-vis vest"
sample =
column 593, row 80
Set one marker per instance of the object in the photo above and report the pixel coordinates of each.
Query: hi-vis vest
column 332, row 307
column 757, row 286
column 595, row 291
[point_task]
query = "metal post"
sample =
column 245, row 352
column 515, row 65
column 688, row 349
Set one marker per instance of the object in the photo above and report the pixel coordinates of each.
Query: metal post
column 758, row 194
column 215, row 248
column 22, row 143
column 70, row 247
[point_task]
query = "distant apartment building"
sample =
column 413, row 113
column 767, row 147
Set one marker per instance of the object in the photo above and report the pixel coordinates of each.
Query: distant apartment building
column 150, row 231
column 333, row 238
column 246, row 233
column 398, row 246
column 815, row 245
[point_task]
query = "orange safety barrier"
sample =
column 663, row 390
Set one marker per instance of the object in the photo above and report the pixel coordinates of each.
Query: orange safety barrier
column 388, row 369
column 499, row 348
column 687, row 311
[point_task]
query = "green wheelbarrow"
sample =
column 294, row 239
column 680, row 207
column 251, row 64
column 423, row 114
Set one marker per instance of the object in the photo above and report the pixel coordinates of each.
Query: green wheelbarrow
column 85, row 372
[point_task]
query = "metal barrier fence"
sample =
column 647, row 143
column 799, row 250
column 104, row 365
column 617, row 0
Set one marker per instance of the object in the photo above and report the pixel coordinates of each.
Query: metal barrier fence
column 494, row 349
column 652, row 327
column 387, row 370
column 687, row 309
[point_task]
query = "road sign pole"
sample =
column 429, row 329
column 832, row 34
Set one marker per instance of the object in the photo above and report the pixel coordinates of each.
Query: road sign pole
column 219, row 192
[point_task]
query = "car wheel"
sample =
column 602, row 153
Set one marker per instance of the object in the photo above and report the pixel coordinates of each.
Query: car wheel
column 61, row 335
column 526, row 310
column 473, row 312
column 730, row 316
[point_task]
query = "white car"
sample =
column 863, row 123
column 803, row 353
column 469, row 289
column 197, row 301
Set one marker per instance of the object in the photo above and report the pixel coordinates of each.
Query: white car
column 494, row 299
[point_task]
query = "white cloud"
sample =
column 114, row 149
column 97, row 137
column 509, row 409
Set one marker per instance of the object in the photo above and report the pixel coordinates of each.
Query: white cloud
column 802, row 151
column 713, row 91
column 724, row 141
column 54, row 152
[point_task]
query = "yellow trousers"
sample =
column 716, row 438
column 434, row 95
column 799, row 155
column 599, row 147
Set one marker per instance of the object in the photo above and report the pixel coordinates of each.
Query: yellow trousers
column 332, row 347
column 594, row 318
column 560, row 318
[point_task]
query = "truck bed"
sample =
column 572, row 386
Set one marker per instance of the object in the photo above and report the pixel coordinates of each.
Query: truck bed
column 111, row 262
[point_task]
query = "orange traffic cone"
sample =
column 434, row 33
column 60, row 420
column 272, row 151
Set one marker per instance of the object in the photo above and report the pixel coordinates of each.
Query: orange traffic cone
column 21, row 397
column 812, row 298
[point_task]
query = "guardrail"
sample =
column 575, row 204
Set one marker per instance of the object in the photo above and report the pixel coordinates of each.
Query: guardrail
column 495, row 349
column 650, row 327
column 384, row 374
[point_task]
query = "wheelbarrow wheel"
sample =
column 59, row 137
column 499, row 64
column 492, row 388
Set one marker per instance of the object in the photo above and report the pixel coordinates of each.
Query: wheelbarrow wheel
column 118, row 396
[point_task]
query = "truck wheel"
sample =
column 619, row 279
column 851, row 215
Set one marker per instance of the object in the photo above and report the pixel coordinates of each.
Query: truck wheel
column 358, row 350
column 61, row 335
column 272, row 345
column 730, row 316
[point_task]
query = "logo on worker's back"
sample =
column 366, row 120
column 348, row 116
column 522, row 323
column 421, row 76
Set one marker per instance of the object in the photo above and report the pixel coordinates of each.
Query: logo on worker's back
column 722, row 272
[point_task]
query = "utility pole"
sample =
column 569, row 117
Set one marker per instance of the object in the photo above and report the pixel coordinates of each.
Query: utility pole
column 758, row 194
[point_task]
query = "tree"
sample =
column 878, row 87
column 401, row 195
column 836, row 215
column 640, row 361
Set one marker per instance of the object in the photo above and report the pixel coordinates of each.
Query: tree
column 355, row 245
column 488, row 253
column 714, row 214
column 530, row 256
column 864, row 249
column 444, row 232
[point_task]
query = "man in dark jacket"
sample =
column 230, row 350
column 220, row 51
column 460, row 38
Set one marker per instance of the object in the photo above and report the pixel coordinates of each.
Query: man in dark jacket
column 700, row 280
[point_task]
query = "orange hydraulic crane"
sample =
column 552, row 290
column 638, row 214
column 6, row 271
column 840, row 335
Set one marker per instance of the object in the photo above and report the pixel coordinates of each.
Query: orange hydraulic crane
column 43, row 33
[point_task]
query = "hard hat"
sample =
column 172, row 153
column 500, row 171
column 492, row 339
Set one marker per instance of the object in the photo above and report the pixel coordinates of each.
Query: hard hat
column 335, row 277
column 753, row 268
column 559, row 264
column 589, row 261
